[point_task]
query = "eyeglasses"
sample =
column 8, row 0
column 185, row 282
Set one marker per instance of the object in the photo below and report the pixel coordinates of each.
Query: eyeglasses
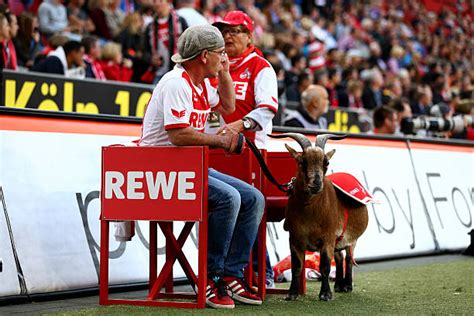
column 222, row 53
column 232, row 32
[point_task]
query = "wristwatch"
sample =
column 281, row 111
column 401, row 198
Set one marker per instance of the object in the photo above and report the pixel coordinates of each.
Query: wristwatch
column 247, row 123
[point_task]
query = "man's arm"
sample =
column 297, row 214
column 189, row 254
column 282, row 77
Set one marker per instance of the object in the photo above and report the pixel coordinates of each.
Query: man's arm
column 188, row 136
column 226, row 89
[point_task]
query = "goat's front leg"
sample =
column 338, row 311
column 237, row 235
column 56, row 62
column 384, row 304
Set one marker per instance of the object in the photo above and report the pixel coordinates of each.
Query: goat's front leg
column 325, row 267
column 297, row 257
column 339, row 284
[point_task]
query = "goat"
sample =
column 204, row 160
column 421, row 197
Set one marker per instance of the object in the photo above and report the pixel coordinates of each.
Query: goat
column 319, row 218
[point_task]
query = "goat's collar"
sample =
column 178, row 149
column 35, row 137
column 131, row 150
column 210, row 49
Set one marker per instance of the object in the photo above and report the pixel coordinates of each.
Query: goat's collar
column 291, row 185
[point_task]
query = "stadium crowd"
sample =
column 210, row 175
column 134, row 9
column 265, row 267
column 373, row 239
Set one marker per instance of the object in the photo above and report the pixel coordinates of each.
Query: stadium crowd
column 394, row 59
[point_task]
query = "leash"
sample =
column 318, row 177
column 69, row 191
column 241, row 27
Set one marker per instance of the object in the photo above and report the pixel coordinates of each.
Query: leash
column 286, row 187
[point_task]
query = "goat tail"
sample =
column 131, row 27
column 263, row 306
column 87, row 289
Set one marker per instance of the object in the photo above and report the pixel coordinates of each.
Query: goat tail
column 351, row 252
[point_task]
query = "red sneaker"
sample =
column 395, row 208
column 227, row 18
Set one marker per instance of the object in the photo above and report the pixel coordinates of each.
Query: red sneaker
column 216, row 294
column 239, row 290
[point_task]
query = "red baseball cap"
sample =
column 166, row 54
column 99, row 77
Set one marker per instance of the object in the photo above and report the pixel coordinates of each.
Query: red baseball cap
column 235, row 18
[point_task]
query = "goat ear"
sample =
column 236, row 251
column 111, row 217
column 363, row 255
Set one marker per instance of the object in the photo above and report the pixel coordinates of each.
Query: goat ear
column 293, row 152
column 329, row 154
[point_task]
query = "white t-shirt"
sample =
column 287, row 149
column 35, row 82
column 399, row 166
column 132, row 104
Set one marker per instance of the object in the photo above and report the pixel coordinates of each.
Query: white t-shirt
column 176, row 103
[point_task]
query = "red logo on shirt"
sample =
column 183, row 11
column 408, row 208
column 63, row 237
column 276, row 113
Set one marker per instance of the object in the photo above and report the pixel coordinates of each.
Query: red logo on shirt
column 178, row 114
column 245, row 74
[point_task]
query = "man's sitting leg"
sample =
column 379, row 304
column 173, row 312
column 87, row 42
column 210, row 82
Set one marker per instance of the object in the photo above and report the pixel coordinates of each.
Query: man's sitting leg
column 224, row 205
column 245, row 232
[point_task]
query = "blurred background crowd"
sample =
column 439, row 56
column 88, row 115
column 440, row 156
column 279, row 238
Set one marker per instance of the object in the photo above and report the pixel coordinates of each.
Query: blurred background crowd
column 391, row 61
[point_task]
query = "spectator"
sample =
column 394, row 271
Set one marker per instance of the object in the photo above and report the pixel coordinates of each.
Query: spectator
column 92, row 53
column 385, row 120
column 10, row 58
column 52, row 17
column 27, row 42
column 298, row 66
column 114, row 17
column 114, row 65
column 161, row 38
column 422, row 100
column 97, row 14
column 396, row 55
column 333, row 86
column 187, row 10
column 438, row 86
column 131, row 39
column 352, row 99
column 63, row 61
column 467, row 88
column 403, row 109
column 53, row 43
column 147, row 12
column 293, row 93
column 372, row 95
column 375, row 59
column 392, row 90
column 316, row 59
column 79, row 21
column 321, row 77
column 309, row 115
column 4, row 35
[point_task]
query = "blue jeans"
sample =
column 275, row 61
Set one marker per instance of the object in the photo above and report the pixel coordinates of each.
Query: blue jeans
column 235, row 211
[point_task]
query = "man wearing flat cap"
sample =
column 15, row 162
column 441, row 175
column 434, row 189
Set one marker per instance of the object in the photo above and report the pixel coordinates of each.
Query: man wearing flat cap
column 176, row 114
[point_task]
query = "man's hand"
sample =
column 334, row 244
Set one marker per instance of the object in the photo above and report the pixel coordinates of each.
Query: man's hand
column 232, row 128
column 188, row 136
column 226, row 88
column 225, row 64
column 235, row 143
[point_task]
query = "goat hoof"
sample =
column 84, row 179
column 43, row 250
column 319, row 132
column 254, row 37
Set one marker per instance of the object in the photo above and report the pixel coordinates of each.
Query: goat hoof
column 291, row 297
column 338, row 288
column 347, row 288
column 325, row 296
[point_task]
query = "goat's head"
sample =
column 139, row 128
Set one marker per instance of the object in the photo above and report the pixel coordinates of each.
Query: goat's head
column 313, row 161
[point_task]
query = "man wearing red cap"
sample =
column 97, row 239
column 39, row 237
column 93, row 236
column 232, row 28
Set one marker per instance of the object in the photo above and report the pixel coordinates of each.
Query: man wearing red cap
column 255, row 82
column 256, row 94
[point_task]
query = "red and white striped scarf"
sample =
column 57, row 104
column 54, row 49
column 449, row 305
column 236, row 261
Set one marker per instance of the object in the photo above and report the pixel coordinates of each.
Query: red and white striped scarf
column 176, row 27
column 96, row 68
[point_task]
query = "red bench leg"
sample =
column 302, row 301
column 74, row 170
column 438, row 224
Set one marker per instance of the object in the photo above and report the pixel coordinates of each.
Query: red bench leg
column 104, row 263
column 262, row 251
column 153, row 253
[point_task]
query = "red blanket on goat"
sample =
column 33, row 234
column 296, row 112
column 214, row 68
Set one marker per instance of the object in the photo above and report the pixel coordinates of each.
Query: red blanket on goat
column 349, row 185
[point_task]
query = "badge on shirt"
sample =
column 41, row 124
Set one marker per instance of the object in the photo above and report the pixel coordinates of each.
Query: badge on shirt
column 214, row 119
column 245, row 75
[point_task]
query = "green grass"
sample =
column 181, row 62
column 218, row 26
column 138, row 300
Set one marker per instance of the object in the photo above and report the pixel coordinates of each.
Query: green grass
column 443, row 288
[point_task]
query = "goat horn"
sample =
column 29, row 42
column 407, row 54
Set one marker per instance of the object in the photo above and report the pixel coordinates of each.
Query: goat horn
column 300, row 138
column 322, row 139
